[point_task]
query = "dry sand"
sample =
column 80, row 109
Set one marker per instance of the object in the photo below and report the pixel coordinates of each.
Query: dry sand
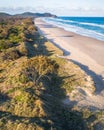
column 86, row 52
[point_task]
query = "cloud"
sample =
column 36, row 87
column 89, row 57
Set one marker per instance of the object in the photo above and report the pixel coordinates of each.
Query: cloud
column 14, row 10
column 61, row 10
column 84, row 9
column 40, row 9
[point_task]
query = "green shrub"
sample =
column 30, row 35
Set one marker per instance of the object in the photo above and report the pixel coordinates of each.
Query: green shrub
column 5, row 44
column 13, row 30
column 38, row 67
column 11, row 54
column 14, row 39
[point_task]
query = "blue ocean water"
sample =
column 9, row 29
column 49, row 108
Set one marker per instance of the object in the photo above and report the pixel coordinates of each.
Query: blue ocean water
column 87, row 26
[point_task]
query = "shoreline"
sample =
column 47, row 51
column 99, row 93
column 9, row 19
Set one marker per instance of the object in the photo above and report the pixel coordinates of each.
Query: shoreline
column 82, row 33
column 84, row 51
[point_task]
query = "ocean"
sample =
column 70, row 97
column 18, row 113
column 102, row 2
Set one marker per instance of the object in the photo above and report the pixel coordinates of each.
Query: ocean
column 86, row 26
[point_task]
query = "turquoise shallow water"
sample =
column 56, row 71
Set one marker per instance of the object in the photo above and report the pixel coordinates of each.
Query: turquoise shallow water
column 87, row 26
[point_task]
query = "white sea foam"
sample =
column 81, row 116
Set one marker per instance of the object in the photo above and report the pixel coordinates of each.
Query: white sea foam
column 76, row 29
column 59, row 20
column 92, row 24
column 70, row 21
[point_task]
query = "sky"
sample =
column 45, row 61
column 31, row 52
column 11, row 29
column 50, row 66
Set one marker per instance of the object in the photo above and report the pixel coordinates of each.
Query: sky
column 58, row 7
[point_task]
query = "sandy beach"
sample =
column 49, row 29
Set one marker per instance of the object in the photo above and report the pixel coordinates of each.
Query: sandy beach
column 86, row 52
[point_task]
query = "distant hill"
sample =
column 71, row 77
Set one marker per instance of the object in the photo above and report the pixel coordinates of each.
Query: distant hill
column 29, row 14
column 4, row 14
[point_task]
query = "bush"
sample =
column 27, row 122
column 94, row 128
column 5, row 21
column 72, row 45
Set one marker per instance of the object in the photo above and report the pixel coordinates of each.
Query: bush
column 13, row 30
column 23, row 49
column 11, row 55
column 5, row 44
column 36, row 68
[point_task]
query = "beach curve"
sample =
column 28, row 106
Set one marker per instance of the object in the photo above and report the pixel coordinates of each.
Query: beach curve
column 86, row 52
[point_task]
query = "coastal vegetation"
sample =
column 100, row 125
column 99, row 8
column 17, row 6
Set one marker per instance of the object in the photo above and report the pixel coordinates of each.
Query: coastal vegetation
column 34, row 82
